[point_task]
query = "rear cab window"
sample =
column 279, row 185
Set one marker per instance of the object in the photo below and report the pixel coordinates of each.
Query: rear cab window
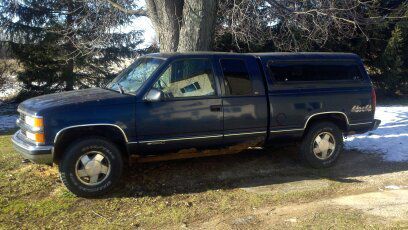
column 237, row 79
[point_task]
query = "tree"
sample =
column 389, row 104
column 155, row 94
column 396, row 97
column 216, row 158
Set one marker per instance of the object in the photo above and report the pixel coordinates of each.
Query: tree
column 384, row 53
column 394, row 61
column 191, row 25
column 4, row 71
column 183, row 25
column 65, row 44
column 376, row 30
column 291, row 25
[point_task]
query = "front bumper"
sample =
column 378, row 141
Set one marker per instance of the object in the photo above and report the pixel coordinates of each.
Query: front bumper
column 34, row 153
column 375, row 124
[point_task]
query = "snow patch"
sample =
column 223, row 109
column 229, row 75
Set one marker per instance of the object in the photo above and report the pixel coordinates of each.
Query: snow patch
column 395, row 187
column 10, row 89
column 8, row 122
column 8, row 117
column 390, row 139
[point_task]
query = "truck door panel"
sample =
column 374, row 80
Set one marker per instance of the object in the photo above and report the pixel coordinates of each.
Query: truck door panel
column 187, row 116
column 244, row 102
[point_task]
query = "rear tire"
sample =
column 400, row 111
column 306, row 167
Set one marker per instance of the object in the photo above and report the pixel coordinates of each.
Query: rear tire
column 322, row 145
column 91, row 167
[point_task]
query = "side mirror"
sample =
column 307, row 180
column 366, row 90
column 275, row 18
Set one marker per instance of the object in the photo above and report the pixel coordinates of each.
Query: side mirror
column 153, row 95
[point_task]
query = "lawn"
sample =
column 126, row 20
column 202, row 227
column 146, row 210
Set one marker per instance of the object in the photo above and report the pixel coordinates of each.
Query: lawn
column 32, row 196
column 188, row 193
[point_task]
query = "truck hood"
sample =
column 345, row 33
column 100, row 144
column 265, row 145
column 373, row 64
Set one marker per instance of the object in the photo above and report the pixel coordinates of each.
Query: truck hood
column 93, row 96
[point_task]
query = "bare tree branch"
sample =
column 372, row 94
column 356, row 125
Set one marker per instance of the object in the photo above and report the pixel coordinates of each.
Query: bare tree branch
column 137, row 12
column 292, row 24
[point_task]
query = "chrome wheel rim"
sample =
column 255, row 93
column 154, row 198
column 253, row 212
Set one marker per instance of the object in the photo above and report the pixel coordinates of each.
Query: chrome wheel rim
column 324, row 145
column 92, row 168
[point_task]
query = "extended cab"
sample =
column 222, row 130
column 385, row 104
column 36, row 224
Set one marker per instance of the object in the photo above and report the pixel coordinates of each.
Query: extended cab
column 164, row 103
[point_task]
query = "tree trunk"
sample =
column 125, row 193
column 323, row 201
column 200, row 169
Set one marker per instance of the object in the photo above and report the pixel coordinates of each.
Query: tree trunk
column 69, row 75
column 197, row 28
column 166, row 17
column 183, row 25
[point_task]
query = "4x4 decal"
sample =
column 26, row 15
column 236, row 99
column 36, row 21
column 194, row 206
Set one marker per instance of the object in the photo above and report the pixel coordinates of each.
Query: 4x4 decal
column 361, row 109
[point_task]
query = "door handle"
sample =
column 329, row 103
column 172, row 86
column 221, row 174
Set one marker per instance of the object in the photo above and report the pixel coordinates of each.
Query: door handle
column 215, row 108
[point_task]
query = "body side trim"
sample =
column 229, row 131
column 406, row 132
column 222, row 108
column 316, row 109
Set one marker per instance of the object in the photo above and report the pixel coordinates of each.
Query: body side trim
column 329, row 112
column 90, row 125
column 362, row 123
column 179, row 139
column 242, row 134
column 200, row 137
column 308, row 119
column 285, row 130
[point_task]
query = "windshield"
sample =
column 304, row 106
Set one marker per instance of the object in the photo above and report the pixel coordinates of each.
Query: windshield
column 130, row 80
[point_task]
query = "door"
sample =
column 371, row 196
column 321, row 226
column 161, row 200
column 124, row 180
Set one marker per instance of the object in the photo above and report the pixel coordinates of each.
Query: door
column 189, row 113
column 244, row 102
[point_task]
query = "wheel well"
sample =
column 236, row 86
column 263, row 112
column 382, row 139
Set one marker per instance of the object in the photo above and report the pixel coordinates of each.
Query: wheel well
column 71, row 135
column 338, row 119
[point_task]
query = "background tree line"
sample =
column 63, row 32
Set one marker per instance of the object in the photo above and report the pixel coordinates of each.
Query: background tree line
column 62, row 45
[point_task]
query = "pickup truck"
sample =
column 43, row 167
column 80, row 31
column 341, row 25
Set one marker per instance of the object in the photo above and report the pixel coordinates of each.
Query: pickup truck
column 165, row 103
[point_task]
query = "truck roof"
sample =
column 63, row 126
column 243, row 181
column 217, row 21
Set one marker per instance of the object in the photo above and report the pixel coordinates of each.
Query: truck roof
column 283, row 55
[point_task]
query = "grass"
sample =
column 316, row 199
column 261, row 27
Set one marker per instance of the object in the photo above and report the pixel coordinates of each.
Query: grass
column 32, row 196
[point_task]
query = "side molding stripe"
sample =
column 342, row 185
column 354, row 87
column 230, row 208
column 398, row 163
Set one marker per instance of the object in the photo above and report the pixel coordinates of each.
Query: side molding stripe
column 308, row 119
column 161, row 141
column 362, row 123
column 180, row 139
column 242, row 134
column 90, row 125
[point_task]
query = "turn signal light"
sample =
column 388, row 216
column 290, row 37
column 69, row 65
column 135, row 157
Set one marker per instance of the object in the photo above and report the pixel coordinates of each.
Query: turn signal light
column 36, row 137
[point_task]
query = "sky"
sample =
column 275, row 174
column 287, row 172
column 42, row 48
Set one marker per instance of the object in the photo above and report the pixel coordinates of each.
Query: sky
column 143, row 23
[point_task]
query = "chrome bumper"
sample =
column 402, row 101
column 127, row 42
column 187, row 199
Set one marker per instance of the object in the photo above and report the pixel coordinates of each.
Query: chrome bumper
column 34, row 153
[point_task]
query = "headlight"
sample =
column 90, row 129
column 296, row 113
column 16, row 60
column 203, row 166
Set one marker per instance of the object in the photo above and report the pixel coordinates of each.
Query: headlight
column 36, row 137
column 33, row 128
column 34, row 122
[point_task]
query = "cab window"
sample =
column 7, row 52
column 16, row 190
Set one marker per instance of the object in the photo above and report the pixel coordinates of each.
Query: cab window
column 187, row 78
column 236, row 77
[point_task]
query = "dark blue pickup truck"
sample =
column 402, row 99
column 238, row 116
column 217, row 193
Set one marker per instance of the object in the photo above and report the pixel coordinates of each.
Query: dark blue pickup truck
column 164, row 103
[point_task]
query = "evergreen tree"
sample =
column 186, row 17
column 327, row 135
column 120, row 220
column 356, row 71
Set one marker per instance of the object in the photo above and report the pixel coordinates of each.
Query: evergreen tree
column 395, row 61
column 386, row 52
column 66, row 44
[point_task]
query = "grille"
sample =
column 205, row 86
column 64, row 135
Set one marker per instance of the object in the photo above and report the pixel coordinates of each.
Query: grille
column 22, row 121
column 22, row 117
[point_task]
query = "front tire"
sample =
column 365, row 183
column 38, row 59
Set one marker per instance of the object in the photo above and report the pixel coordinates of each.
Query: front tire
column 322, row 145
column 91, row 167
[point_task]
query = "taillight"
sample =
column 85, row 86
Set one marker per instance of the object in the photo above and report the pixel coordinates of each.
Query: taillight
column 373, row 99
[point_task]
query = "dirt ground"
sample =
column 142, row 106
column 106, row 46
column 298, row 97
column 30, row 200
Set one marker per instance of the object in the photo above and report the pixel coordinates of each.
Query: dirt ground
column 258, row 189
column 361, row 186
